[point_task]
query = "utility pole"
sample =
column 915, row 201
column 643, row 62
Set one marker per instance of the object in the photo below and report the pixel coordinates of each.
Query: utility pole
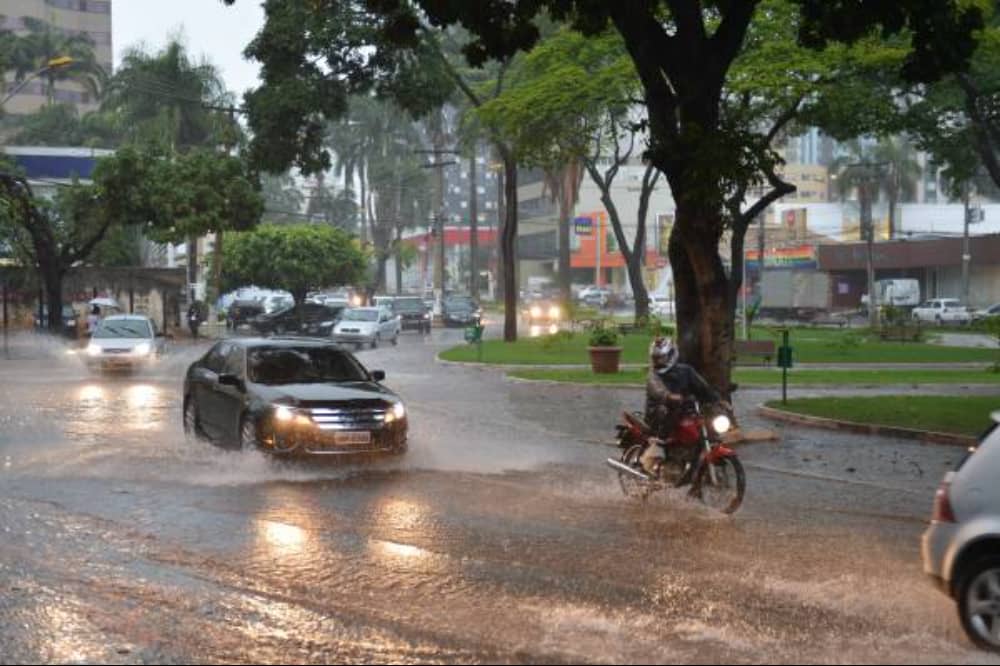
column 473, row 226
column 440, row 278
column 869, row 227
column 760, row 259
column 966, row 255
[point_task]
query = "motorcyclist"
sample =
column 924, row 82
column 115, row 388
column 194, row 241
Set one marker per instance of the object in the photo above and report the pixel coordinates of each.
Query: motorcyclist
column 670, row 383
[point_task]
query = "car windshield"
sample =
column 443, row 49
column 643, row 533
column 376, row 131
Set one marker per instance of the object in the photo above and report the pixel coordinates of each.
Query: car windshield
column 457, row 303
column 123, row 328
column 303, row 365
column 409, row 305
column 360, row 315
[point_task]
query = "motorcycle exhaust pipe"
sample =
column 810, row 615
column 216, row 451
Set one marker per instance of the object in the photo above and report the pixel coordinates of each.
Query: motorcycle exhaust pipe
column 614, row 464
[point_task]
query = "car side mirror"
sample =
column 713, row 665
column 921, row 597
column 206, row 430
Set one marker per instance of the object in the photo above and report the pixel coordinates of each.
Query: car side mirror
column 378, row 375
column 227, row 379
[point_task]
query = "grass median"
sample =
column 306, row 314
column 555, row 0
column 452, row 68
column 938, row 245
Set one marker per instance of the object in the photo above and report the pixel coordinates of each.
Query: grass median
column 965, row 415
column 810, row 345
column 772, row 377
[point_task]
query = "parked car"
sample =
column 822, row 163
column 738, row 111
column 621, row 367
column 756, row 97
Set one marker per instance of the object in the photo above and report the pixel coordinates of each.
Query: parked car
column 460, row 311
column 597, row 297
column 70, row 321
column 413, row 314
column 367, row 326
column 661, row 306
column 961, row 548
column 241, row 313
column 943, row 311
column 292, row 397
column 124, row 342
column 316, row 320
column 986, row 313
column 277, row 302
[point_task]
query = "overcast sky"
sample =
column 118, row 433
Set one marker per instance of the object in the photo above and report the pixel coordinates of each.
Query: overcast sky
column 210, row 28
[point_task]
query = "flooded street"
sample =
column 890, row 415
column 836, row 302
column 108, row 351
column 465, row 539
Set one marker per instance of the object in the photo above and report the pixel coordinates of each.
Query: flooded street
column 499, row 537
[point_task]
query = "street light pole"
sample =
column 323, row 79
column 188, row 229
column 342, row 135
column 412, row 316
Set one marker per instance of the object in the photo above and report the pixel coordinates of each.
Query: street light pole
column 53, row 63
column 966, row 256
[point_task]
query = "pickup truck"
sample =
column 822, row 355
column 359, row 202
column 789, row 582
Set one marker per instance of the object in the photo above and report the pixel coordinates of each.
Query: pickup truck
column 943, row 311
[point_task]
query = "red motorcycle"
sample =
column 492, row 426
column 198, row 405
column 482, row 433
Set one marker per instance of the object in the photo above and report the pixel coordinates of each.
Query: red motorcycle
column 716, row 477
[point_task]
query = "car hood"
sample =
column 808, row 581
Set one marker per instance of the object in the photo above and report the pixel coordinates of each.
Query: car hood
column 119, row 343
column 363, row 326
column 295, row 394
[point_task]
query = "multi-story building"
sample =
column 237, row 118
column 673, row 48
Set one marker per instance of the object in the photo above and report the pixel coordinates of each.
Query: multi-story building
column 72, row 17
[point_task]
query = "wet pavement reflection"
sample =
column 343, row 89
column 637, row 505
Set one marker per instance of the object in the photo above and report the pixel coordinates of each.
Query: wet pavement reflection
column 500, row 536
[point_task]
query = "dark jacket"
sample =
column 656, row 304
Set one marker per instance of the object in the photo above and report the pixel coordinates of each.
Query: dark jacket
column 682, row 380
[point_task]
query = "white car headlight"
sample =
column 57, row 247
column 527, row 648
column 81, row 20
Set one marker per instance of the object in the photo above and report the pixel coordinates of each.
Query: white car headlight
column 536, row 312
column 142, row 349
column 721, row 424
column 283, row 414
column 93, row 350
column 555, row 312
column 397, row 412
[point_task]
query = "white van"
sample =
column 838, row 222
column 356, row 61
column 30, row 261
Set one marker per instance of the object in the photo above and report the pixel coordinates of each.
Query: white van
column 898, row 292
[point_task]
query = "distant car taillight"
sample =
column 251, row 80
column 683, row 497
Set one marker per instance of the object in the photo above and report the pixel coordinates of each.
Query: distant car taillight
column 942, row 505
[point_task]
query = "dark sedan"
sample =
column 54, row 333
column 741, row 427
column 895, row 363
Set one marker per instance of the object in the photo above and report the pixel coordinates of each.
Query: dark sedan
column 317, row 320
column 460, row 311
column 413, row 314
column 292, row 397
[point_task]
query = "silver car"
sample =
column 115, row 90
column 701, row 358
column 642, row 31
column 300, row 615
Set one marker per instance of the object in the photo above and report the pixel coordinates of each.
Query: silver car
column 124, row 342
column 367, row 327
column 961, row 548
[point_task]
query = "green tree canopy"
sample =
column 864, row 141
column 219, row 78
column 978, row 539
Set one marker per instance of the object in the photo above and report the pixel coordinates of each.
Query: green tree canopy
column 297, row 258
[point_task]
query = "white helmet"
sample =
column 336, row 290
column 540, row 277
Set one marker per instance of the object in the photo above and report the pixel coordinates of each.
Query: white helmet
column 663, row 354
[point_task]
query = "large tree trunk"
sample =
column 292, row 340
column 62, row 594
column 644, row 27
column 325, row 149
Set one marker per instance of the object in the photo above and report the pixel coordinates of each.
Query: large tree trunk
column 399, row 260
column 565, row 212
column 192, row 258
column 53, row 279
column 704, row 316
column 508, row 246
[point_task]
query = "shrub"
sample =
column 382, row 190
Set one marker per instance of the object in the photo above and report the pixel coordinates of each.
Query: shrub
column 603, row 335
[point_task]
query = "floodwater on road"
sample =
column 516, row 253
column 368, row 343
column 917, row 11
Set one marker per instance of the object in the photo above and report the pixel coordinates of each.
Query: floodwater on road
column 500, row 537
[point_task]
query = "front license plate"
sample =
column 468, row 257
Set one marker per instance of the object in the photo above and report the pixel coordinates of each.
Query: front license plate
column 353, row 438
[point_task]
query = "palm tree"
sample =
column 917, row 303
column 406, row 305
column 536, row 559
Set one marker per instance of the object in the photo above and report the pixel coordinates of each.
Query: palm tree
column 855, row 171
column 42, row 44
column 900, row 174
column 165, row 98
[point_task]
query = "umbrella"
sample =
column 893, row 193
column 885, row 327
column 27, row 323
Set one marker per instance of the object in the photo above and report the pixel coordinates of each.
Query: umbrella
column 105, row 303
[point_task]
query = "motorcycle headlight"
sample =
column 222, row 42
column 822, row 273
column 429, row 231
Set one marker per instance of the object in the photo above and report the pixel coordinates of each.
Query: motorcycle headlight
column 93, row 350
column 536, row 312
column 721, row 424
column 142, row 349
column 555, row 312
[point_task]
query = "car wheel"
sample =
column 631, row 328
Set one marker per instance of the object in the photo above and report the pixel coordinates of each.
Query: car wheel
column 192, row 427
column 248, row 435
column 939, row 321
column 375, row 341
column 979, row 603
column 395, row 340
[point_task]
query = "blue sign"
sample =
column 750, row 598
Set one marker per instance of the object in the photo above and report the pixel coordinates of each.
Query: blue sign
column 584, row 226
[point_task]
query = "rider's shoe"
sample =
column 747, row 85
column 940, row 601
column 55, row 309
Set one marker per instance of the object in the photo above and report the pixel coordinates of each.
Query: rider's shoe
column 653, row 457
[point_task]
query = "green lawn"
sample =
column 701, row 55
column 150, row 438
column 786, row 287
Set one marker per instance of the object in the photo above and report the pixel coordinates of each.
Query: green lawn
column 772, row 377
column 811, row 345
column 966, row 415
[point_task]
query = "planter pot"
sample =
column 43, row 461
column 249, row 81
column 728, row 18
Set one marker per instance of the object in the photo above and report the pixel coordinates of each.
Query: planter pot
column 605, row 360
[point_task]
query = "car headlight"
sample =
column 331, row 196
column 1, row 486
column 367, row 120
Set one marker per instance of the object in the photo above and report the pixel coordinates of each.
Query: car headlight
column 721, row 424
column 555, row 312
column 536, row 312
column 93, row 350
column 283, row 414
column 396, row 413
column 427, row 315
column 142, row 349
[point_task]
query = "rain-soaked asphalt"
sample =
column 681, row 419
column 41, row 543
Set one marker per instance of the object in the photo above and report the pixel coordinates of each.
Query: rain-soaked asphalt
column 499, row 537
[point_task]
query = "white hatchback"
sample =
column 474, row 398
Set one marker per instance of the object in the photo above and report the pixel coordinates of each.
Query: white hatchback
column 961, row 548
column 123, row 342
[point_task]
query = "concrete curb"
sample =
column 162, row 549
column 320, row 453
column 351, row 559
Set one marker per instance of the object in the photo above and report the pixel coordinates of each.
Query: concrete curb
column 866, row 428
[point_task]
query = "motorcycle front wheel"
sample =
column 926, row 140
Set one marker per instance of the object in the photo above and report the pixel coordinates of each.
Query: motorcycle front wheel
column 633, row 487
column 725, row 494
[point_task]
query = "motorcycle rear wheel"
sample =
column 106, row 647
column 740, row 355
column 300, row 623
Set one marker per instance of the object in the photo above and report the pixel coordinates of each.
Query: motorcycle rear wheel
column 726, row 494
